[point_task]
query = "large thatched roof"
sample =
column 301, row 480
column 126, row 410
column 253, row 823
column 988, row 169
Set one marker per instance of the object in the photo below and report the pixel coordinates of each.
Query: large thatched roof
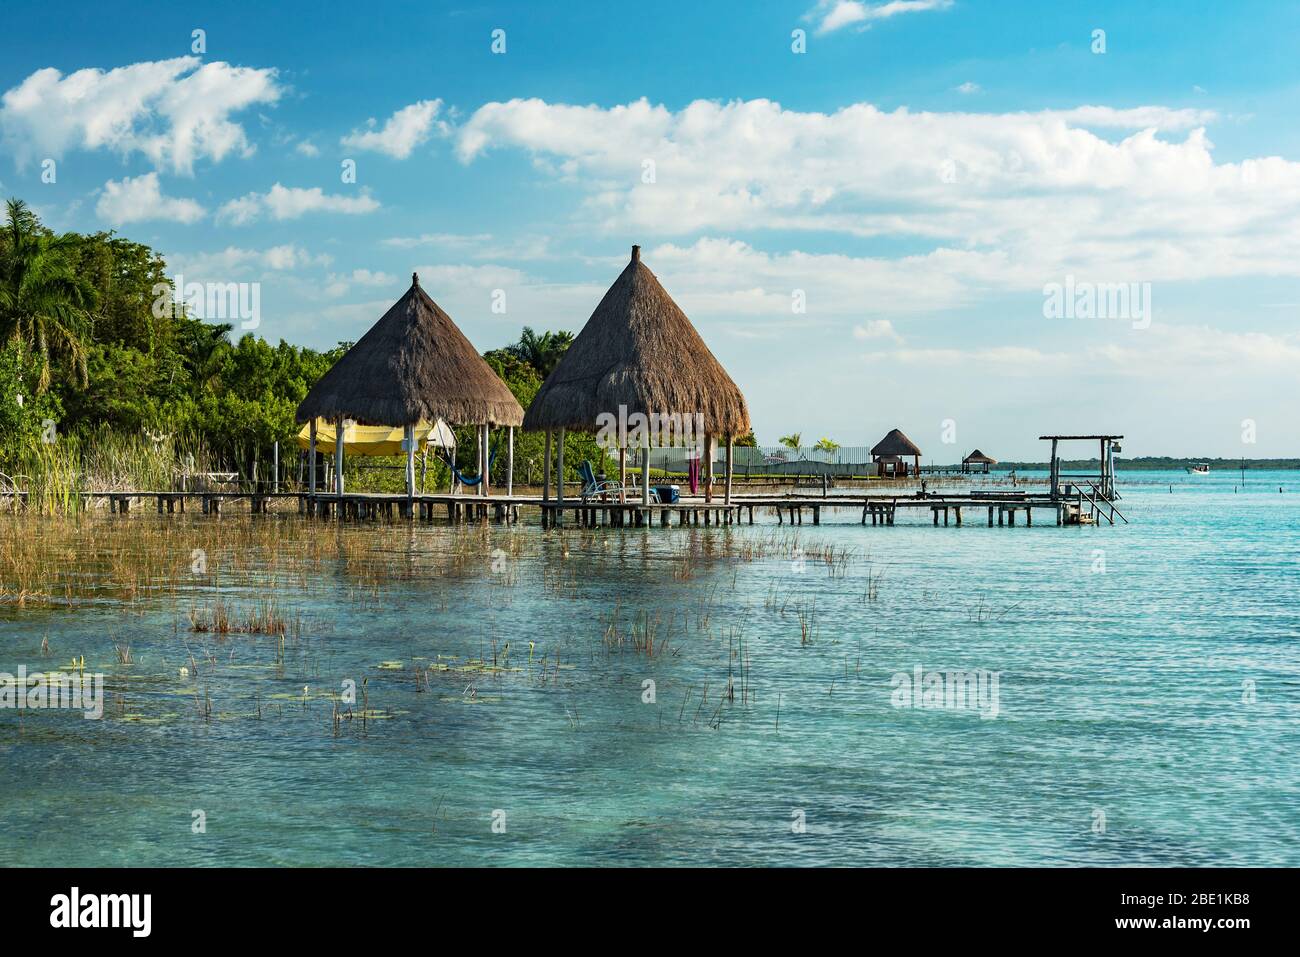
column 895, row 443
column 638, row 350
column 979, row 457
column 413, row 365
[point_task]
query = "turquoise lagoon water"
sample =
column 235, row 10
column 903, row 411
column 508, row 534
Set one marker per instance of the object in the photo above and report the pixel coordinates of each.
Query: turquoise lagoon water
column 1160, row 696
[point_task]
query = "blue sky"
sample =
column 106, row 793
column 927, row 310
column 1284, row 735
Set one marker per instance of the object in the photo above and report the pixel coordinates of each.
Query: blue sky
column 917, row 178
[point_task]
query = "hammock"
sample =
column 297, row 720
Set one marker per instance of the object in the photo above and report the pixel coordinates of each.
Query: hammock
column 694, row 469
column 471, row 482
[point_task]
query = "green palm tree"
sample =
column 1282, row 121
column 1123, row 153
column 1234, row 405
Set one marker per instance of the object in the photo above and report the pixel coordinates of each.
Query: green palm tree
column 792, row 441
column 541, row 351
column 827, row 446
column 205, row 346
column 45, row 306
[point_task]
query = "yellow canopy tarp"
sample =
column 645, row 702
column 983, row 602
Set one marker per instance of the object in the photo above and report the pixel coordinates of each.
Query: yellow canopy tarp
column 376, row 439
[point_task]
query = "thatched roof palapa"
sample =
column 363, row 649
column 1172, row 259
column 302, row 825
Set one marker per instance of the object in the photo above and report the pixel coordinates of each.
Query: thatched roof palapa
column 413, row 365
column 895, row 443
column 979, row 457
column 638, row 350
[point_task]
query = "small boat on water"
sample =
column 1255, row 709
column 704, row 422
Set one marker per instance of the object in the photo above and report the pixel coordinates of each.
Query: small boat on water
column 1202, row 469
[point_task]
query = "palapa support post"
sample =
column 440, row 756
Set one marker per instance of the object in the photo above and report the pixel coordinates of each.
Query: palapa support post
column 478, row 455
column 510, row 461
column 622, row 474
column 338, row 457
column 559, row 479
column 546, row 469
column 708, row 467
column 645, row 474
column 311, row 457
column 729, row 468
column 408, row 439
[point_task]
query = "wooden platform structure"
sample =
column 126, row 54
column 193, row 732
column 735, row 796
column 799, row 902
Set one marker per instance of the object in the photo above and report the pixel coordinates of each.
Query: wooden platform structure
column 1093, row 491
column 1002, row 508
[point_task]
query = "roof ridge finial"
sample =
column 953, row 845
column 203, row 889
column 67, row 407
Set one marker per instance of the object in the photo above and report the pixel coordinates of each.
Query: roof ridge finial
column 415, row 279
column 636, row 254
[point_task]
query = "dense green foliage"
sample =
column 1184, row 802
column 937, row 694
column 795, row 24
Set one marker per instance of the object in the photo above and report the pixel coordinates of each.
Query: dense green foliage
column 84, row 351
column 81, row 342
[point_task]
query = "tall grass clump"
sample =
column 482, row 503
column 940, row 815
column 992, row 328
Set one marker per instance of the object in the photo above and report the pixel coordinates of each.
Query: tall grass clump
column 55, row 470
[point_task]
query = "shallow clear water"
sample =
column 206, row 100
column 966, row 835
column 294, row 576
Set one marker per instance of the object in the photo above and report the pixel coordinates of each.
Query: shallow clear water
column 1162, row 693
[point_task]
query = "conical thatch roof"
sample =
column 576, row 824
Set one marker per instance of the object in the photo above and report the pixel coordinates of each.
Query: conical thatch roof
column 638, row 350
column 978, row 456
column 413, row 365
column 895, row 443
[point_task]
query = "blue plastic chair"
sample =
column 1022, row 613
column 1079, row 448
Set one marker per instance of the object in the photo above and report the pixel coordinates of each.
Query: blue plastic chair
column 592, row 488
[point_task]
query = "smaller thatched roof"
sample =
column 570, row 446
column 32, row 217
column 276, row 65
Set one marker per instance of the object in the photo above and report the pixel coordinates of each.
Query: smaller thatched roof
column 639, row 351
column 413, row 365
column 979, row 457
column 895, row 443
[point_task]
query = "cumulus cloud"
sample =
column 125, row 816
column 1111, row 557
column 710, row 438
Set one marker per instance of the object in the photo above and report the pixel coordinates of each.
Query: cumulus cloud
column 239, row 261
column 832, row 15
column 1036, row 193
column 725, row 277
column 291, row 202
column 479, row 245
column 338, row 285
column 401, row 134
column 1165, row 352
column 877, row 329
column 175, row 112
column 137, row 200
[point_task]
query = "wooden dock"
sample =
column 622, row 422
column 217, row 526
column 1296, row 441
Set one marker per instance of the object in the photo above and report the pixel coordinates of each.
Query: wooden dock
column 1072, row 505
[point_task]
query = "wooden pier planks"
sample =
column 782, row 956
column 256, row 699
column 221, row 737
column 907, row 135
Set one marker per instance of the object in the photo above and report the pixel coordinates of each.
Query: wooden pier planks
column 363, row 506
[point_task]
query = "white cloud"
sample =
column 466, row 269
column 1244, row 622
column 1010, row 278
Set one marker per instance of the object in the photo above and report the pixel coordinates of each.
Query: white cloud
column 835, row 14
column 877, row 329
column 175, row 112
column 483, row 277
column 1036, row 195
column 338, row 285
column 968, row 88
column 139, row 199
column 723, row 277
column 236, row 261
column 1169, row 352
column 479, row 245
column 1139, row 118
column 291, row 202
column 403, row 132
column 307, row 148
